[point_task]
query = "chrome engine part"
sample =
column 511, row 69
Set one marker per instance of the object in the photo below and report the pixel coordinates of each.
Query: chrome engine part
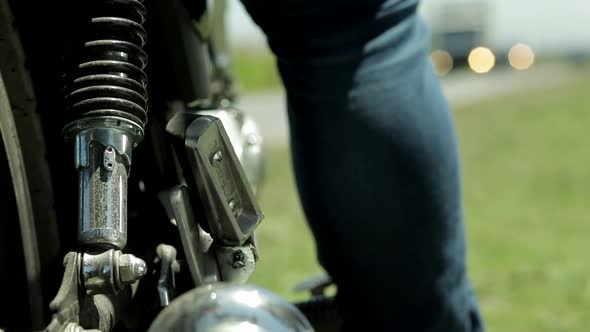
column 230, row 308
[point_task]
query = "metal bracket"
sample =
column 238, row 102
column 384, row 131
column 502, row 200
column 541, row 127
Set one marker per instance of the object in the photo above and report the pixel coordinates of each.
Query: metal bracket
column 196, row 243
column 66, row 304
column 73, row 308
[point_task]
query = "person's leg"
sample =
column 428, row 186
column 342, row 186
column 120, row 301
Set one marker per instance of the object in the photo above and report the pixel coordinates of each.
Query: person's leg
column 376, row 160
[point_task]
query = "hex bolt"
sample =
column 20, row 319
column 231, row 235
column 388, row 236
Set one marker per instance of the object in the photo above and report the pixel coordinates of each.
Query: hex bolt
column 131, row 269
column 238, row 259
column 110, row 271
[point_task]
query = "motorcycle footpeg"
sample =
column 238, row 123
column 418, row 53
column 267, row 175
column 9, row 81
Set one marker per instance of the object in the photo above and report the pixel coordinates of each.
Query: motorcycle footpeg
column 228, row 200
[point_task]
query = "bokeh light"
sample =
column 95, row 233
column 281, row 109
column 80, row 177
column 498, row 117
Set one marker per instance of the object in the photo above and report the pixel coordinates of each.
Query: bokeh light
column 481, row 60
column 521, row 57
column 442, row 61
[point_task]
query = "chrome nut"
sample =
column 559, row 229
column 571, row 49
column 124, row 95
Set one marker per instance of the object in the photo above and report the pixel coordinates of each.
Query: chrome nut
column 131, row 269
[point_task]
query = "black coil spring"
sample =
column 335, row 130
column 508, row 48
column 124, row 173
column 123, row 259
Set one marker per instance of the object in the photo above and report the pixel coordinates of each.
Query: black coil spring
column 104, row 75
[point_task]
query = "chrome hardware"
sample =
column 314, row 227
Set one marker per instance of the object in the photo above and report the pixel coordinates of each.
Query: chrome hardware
column 236, row 264
column 110, row 271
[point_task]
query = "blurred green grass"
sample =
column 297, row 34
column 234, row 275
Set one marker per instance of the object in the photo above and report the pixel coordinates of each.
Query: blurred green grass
column 255, row 70
column 527, row 192
column 285, row 242
column 526, row 166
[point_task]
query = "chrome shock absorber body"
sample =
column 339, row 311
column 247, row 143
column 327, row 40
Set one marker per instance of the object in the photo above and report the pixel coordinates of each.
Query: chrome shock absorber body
column 106, row 112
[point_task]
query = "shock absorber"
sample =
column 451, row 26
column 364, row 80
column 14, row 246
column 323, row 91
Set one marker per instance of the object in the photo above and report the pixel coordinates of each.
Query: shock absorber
column 106, row 112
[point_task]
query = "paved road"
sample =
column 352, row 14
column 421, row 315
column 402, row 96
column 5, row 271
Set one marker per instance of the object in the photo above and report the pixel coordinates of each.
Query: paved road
column 268, row 107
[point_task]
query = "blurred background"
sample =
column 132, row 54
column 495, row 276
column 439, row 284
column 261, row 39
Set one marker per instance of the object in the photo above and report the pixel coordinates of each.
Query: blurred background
column 517, row 74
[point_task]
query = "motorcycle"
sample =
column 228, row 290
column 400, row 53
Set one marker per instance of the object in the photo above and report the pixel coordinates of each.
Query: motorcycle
column 169, row 246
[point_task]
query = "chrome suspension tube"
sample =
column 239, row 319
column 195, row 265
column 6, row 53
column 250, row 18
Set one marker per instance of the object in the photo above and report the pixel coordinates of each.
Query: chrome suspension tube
column 103, row 161
column 106, row 112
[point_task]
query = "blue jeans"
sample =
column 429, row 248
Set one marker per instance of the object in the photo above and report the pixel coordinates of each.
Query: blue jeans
column 376, row 160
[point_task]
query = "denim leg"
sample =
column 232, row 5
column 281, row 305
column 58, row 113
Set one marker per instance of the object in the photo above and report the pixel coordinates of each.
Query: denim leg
column 376, row 162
